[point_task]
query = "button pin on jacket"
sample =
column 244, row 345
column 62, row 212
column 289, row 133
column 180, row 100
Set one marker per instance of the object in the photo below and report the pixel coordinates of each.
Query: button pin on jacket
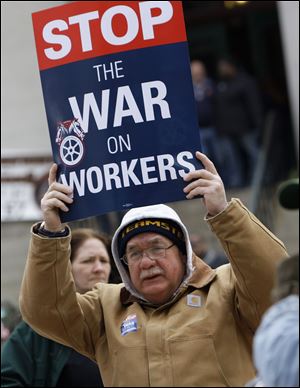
column 129, row 324
column 194, row 300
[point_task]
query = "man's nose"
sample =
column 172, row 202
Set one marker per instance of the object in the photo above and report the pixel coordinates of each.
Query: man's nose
column 145, row 261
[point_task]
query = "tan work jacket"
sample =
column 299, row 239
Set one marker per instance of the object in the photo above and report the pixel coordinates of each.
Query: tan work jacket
column 201, row 338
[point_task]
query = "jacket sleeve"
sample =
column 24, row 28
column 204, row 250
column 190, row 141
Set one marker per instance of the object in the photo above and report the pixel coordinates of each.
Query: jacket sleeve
column 48, row 299
column 253, row 252
column 16, row 359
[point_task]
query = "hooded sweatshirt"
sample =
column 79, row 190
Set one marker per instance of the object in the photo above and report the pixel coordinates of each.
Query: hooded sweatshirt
column 149, row 212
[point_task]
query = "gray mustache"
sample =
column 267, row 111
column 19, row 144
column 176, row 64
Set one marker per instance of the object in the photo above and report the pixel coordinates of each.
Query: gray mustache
column 147, row 273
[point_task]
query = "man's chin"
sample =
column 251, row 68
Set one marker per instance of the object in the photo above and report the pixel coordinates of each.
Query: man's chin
column 153, row 289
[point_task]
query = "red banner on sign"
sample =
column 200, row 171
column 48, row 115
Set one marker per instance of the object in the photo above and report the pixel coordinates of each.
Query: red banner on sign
column 88, row 29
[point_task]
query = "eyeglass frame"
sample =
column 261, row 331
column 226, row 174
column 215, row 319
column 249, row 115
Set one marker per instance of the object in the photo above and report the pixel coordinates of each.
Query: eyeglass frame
column 124, row 258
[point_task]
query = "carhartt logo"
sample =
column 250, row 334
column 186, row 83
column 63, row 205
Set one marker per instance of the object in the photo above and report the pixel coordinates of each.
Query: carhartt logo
column 194, row 300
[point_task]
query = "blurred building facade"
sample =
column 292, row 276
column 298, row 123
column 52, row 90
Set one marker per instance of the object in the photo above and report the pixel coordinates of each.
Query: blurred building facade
column 262, row 35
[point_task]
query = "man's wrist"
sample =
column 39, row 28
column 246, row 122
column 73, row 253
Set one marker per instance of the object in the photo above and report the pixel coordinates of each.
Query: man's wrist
column 60, row 228
column 41, row 230
column 216, row 213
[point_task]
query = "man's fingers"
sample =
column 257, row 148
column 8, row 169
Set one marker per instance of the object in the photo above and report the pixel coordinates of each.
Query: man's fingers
column 204, row 174
column 55, row 203
column 209, row 173
column 207, row 163
column 59, row 195
column 198, row 182
column 55, row 186
column 52, row 174
column 197, row 191
column 207, row 190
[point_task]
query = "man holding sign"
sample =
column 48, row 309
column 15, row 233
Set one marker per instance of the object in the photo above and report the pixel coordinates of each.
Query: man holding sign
column 174, row 321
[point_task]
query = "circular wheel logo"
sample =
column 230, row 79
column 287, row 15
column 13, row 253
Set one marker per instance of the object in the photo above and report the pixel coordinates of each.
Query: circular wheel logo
column 71, row 150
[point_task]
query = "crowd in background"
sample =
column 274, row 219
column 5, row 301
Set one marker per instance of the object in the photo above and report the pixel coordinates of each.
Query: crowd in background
column 232, row 112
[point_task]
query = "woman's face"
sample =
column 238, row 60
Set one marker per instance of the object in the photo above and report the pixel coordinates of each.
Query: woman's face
column 91, row 265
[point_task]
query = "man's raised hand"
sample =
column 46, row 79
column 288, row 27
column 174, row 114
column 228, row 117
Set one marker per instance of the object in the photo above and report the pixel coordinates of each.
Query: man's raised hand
column 207, row 182
column 56, row 198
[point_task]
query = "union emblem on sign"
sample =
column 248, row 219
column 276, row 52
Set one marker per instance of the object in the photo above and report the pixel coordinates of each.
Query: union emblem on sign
column 70, row 138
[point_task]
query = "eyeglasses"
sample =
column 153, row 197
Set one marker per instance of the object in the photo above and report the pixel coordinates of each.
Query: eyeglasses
column 154, row 253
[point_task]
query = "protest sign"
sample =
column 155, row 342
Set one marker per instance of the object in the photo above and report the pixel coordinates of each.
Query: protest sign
column 119, row 102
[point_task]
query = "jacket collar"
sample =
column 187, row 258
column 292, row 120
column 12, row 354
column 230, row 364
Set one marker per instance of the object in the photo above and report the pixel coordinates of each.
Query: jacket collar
column 201, row 276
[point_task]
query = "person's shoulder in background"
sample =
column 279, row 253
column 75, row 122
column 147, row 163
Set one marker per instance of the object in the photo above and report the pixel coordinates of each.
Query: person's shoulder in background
column 10, row 317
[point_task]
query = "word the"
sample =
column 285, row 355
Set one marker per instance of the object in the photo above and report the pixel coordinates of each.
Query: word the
column 112, row 69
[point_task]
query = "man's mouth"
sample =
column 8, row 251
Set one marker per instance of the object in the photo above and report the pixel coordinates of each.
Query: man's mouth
column 151, row 273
